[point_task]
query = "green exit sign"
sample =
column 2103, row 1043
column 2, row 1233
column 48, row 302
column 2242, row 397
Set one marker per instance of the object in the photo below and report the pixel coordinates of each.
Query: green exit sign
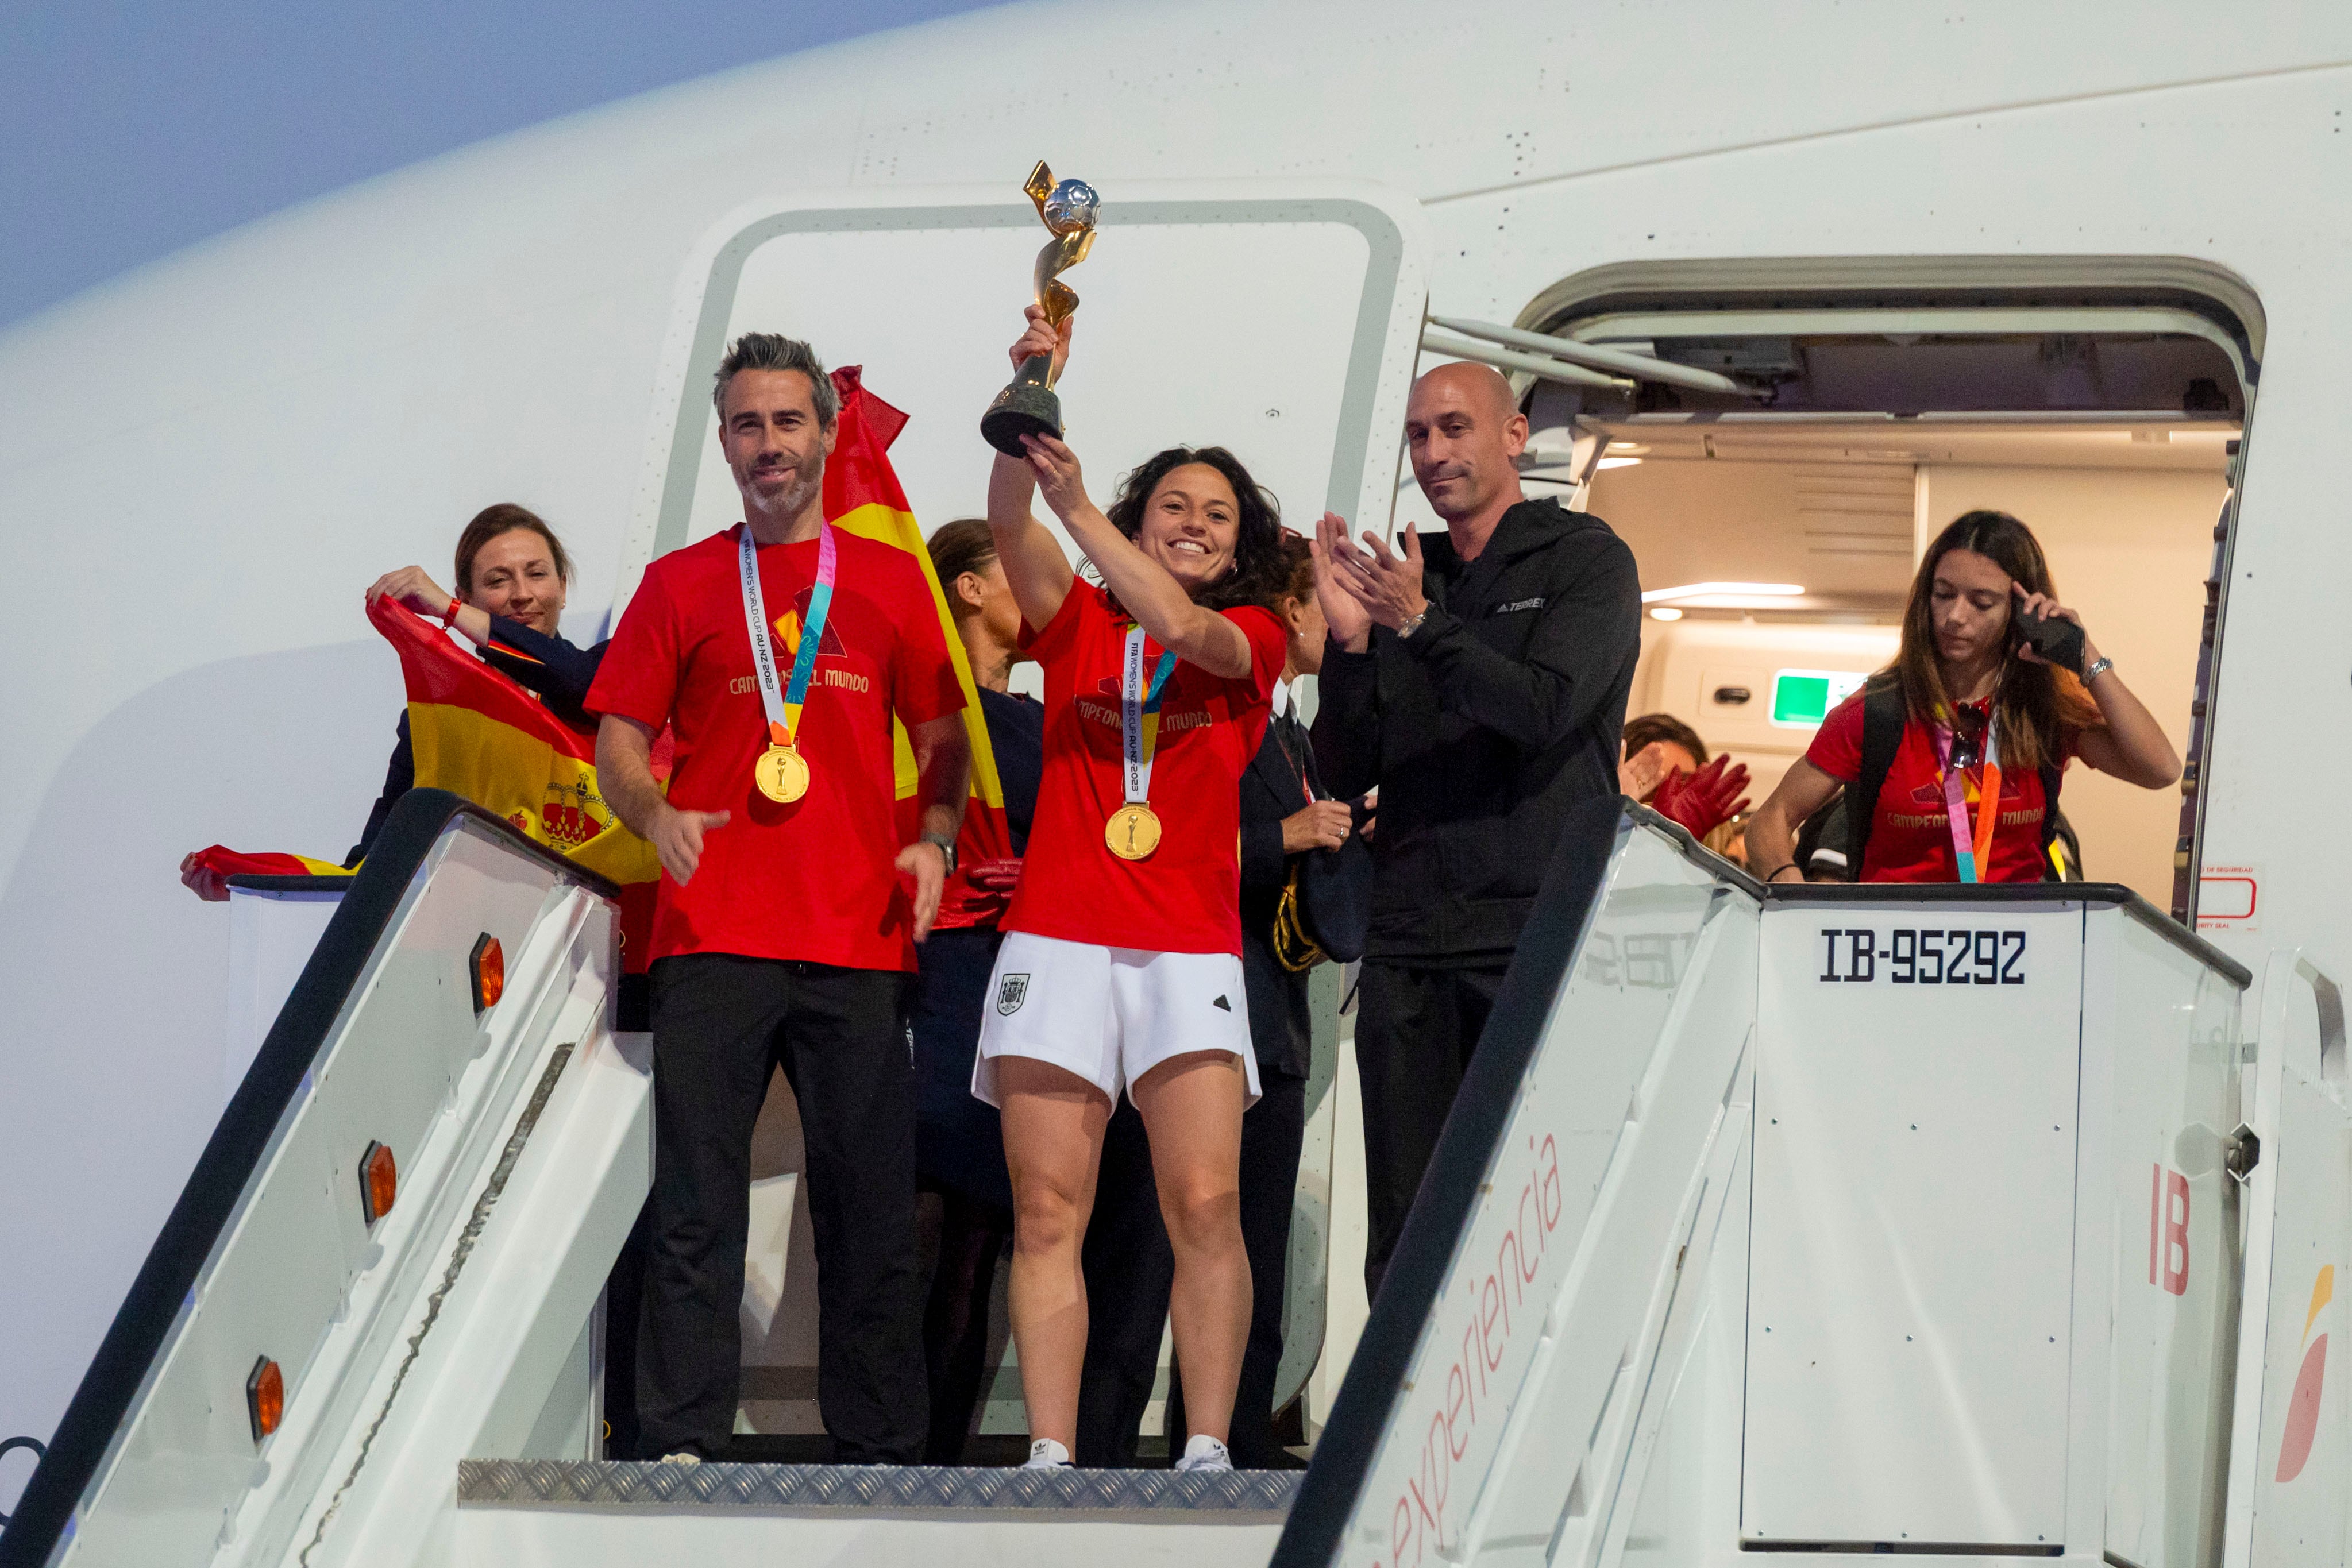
column 1802, row 698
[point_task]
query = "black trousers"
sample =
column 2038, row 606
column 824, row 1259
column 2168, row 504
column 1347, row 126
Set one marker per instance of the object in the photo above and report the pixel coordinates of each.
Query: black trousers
column 722, row 1024
column 1129, row 1270
column 1415, row 1031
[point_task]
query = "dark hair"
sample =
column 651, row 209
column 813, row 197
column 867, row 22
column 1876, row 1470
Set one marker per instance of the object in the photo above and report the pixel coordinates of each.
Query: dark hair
column 964, row 545
column 1655, row 726
column 489, row 523
column 1260, row 568
column 2035, row 705
column 1299, row 571
column 774, row 351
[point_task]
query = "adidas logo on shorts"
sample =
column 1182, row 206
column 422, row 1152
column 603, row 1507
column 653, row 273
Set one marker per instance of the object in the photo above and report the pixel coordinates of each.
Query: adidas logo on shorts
column 1011, row 993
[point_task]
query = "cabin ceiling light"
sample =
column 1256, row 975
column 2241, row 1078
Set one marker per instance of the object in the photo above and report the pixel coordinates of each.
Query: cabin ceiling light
column 1716, row 590
column 1665, row 612
column 1619, row 462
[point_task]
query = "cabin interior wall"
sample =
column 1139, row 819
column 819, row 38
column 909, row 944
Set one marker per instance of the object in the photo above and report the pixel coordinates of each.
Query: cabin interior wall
column 2129, row 550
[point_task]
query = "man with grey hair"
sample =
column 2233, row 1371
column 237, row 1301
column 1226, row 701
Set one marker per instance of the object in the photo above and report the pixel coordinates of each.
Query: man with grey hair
column 779, row 653
column 1478, row 680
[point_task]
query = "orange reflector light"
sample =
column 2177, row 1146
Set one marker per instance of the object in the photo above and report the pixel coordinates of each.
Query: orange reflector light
column 379, row 1182
column 489, row 972
column 265, row 1397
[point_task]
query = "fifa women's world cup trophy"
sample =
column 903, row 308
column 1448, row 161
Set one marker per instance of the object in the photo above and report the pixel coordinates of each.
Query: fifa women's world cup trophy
column 1028, row 406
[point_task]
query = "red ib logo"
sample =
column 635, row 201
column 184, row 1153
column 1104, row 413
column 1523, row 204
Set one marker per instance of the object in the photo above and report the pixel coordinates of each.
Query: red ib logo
column 2168, row 1230
column 2302, row 1406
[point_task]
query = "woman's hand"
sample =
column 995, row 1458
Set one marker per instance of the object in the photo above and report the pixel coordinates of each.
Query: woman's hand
column 1044, row 338
column 1323, row 825
column 1059, row 478
column 411, row 587
column 2043, row 605
column 1639, row 776
column 202, row 880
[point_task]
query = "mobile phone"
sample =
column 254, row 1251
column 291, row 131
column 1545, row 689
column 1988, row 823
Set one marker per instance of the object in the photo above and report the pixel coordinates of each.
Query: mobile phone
column 2054, row 637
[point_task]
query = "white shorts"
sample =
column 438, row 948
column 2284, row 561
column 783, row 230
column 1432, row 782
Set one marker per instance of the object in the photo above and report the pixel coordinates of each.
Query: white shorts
column 1109, row 1014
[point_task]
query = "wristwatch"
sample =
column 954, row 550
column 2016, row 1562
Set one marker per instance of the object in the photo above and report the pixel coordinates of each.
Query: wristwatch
column 946, row 843
column 1413, row 625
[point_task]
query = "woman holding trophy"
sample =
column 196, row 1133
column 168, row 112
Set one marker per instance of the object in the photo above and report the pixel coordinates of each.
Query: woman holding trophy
column 1120, row 970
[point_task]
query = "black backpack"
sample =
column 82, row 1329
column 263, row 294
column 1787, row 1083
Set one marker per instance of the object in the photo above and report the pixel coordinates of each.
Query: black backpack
column 1842, row 827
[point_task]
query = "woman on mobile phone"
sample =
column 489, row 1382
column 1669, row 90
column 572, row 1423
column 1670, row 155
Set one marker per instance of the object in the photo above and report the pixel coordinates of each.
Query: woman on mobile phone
column 1951, row 756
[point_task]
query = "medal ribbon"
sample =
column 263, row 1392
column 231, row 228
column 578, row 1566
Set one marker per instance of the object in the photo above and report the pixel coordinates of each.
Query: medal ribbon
column 783, row 707
column 1138, row 714
column 1972, row 853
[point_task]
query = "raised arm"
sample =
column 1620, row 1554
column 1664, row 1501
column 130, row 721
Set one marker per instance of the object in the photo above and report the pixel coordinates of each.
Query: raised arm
column 1200, row 637
column 1034, row 567
column 2132, row 746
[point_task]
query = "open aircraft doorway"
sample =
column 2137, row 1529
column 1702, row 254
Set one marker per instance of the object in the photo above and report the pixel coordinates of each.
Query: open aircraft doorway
column 1779, row 439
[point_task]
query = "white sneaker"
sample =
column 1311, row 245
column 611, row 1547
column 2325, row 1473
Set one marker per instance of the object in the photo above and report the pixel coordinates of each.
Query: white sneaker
column 1046, row 1454
column 1205, row 1453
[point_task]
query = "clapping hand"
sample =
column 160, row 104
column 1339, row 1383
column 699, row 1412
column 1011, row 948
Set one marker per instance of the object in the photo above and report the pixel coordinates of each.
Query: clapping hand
column 1704, row 800
column 1348, row 621
column 1639, row 776
column 1385, row 583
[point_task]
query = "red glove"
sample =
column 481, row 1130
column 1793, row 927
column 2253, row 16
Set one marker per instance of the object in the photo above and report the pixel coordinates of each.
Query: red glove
column 995, row 876
column 1704, row 800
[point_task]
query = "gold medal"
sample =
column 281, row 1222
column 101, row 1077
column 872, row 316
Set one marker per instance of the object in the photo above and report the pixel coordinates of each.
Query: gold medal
column 783, row 776
column 1132, row 832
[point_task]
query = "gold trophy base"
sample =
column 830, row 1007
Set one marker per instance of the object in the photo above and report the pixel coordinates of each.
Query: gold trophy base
column 1025, row 407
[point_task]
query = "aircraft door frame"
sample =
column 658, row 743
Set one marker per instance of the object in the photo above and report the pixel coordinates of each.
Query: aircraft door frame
column 1381, row 361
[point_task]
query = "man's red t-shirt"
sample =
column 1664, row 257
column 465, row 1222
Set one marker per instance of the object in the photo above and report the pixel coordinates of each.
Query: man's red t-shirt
column 1911, row 839
column 1185, row 897
column 811, row 881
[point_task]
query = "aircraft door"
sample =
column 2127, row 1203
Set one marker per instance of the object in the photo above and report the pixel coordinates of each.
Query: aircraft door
column 1280, row 320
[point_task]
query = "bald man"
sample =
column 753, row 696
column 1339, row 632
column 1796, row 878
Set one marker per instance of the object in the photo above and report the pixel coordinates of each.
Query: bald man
column 1478, row 682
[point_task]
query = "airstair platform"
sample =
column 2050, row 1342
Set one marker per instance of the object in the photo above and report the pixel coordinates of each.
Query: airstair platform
column 584, row 1514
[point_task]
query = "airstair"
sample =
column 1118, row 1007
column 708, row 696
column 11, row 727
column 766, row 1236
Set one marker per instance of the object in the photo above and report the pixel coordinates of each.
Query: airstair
column 1977, row 1223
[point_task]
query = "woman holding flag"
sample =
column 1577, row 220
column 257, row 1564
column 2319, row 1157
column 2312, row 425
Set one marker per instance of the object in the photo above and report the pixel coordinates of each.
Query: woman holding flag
column 1120, row 970
column 1951, row 756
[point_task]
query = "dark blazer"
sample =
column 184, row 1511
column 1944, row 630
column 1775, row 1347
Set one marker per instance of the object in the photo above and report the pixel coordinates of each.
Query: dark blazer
column 1484, row 728
column 1280, row 1029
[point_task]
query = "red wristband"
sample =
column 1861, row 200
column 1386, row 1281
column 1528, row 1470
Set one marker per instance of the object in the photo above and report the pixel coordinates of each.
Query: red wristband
column 449, row 616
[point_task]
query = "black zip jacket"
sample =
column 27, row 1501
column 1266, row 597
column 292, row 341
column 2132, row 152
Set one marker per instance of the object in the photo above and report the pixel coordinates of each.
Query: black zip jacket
column 1482, row 729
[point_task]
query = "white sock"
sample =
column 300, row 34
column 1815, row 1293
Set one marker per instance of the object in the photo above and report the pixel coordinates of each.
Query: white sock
column 1046, row 1454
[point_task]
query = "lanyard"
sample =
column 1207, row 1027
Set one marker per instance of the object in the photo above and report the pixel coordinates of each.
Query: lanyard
column 784, row 708
column 1972, row 854
column 1138, row 714
column 1297, row 764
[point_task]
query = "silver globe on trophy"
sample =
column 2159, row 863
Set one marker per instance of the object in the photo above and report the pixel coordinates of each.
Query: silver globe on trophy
column 1027, row 406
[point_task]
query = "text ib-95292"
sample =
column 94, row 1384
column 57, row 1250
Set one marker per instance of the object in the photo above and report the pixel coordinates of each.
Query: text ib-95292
column 1914, row 956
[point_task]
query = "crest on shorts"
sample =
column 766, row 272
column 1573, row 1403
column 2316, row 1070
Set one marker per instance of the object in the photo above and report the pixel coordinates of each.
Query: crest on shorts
column 1011, row 992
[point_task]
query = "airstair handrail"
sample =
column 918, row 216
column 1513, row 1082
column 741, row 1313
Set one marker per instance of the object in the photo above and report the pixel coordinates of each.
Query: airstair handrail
column 1350, row 1441
column 237, row 1150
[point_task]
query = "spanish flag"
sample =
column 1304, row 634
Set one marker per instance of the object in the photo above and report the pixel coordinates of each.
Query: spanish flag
column 478, row 734
column 862, row 496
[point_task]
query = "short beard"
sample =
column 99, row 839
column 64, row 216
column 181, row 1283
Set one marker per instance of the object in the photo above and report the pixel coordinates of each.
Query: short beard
column 788, row 501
